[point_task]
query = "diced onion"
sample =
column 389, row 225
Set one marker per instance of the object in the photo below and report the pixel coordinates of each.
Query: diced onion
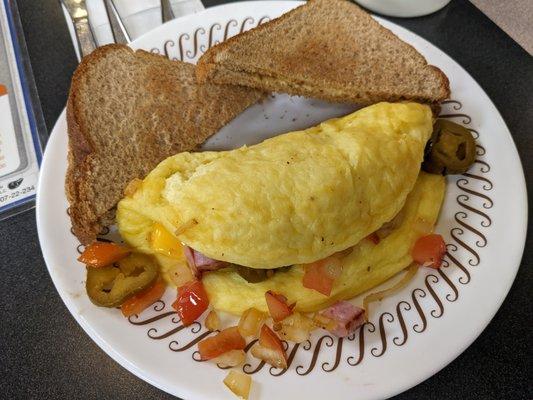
column 270, row 356
column 232, row 358
column 250, row 322
column 185, row 226
column 321, row 321
column 239, row 383
column 212, row 322
column 297, row 328
column 411, row 271
column 180, row 274
column 333, row 268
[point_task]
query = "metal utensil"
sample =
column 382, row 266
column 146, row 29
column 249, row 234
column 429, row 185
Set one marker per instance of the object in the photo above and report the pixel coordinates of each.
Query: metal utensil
column 84, row 35
column 167, row 13
column 120, row 33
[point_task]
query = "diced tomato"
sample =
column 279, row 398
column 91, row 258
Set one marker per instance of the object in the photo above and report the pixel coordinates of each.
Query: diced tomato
column 269, row 339
column 141, row 301
column 321, row 275
column 316, row 279
column 373, row 237
column 226, row 340
column 192, row 301
column 277, row 306
column 429, row 251
column 101, row 254
column 270, row 349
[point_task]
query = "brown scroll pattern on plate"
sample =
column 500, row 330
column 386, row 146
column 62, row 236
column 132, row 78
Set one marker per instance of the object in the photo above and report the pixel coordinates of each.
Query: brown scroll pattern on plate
column 186, row 47
column 460, row 244
column 373, row 339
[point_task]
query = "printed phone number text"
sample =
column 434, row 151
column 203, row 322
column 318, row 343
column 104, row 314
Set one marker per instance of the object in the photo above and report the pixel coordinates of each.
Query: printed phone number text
column 17, row 193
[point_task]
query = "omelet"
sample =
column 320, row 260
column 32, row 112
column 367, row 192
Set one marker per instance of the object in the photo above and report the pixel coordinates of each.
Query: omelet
column 293, row 199
column 367, row 265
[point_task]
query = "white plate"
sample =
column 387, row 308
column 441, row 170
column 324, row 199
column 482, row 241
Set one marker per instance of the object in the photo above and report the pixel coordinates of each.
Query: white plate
column 411, row 335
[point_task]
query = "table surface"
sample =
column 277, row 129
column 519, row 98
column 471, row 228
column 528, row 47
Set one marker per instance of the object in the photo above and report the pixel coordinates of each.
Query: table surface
column 45, row 354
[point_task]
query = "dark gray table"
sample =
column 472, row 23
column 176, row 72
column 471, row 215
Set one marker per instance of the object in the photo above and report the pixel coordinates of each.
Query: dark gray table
column 44, row 354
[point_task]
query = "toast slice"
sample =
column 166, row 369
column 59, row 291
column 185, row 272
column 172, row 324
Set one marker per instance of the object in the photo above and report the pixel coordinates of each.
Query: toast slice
column 126, row 112
column 328, row 49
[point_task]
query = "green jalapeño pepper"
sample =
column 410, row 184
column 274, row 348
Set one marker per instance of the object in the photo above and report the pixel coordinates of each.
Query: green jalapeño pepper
column 451, row 149
column 111, row 286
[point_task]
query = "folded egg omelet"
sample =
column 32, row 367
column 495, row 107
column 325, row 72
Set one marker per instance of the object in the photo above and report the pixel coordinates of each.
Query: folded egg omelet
column 293, row 199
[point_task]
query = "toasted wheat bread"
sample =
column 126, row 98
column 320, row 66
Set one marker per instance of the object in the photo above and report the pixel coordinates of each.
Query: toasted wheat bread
column 126, row 112
column 328, row 49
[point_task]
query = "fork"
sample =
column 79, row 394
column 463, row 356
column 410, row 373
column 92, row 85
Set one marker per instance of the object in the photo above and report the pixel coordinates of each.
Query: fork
column 84, row 34
column 85, row 37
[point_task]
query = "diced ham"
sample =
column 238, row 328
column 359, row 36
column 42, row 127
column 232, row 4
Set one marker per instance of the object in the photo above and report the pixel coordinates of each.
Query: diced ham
column 200, row 263
column 347, row 317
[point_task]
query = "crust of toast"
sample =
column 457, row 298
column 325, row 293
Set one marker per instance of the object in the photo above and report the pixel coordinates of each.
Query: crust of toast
column 85, row 225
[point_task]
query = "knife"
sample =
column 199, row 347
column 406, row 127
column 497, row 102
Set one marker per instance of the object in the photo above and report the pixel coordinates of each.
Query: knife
column 120, row 33
column 78, row 13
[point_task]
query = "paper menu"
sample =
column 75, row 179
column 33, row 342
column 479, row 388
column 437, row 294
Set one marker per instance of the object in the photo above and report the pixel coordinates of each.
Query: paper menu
column 21, row 123
column 9, row 154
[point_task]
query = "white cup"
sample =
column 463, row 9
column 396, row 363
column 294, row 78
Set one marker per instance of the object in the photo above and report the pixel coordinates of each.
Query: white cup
column 403, row 8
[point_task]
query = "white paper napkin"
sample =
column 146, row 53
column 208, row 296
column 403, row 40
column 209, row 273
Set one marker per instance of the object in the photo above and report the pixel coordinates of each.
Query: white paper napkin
column 138, row 16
